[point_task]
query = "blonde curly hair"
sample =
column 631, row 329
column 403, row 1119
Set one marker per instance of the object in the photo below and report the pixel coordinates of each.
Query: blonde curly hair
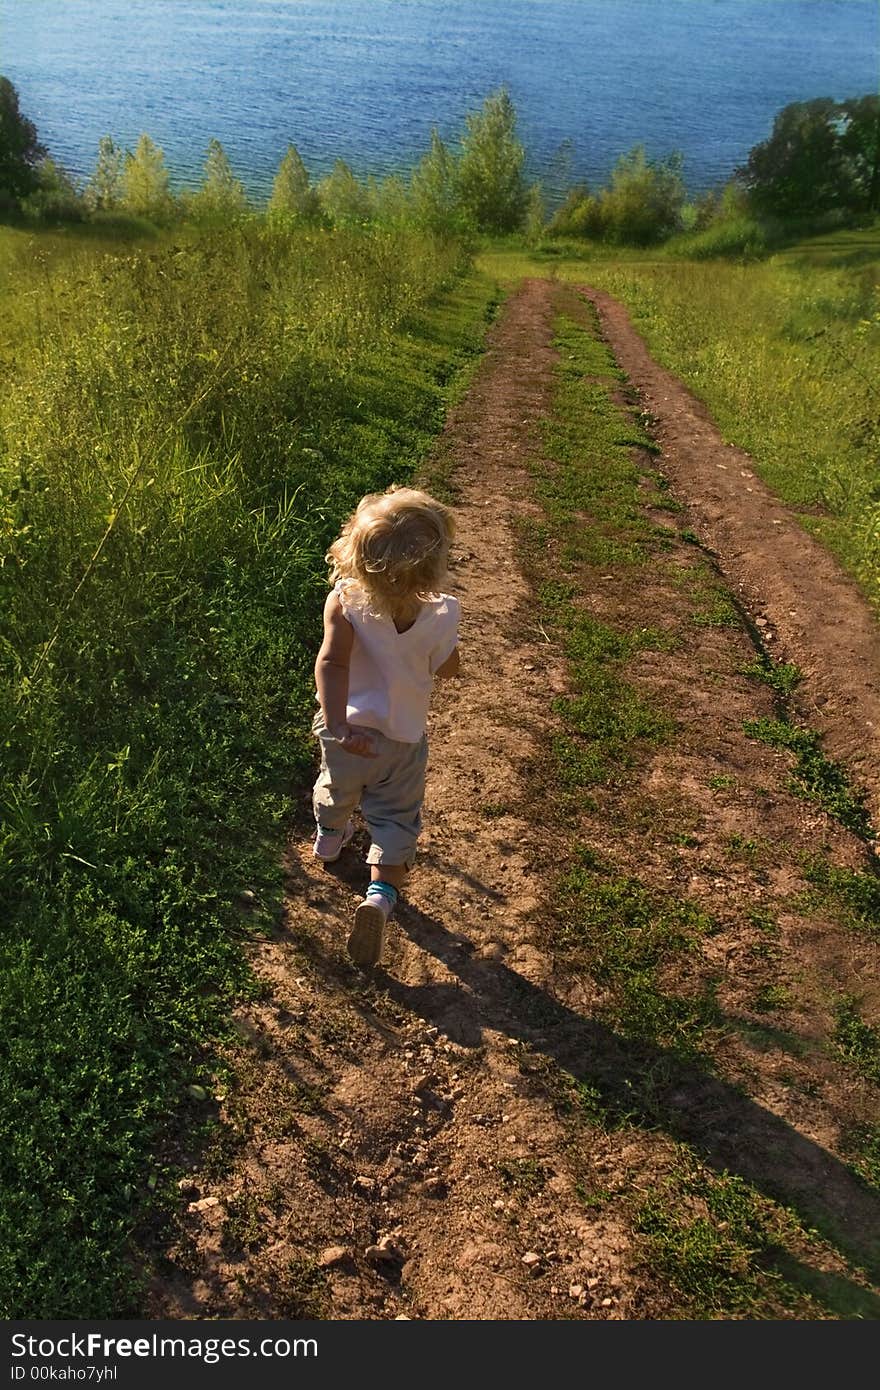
column 393, row 551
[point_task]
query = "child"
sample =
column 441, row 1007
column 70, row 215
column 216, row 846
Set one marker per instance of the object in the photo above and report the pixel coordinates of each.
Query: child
column 388, row 632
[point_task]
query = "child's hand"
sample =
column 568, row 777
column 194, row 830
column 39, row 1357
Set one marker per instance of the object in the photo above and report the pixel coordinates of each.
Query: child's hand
column 356, row 740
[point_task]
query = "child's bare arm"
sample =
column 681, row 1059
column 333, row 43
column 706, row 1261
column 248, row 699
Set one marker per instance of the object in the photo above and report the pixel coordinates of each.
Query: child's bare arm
column 331, row 678
column 450, row 666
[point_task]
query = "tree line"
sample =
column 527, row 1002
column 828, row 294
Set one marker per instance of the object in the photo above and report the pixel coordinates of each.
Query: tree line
column 481, row 186
column 821, row 160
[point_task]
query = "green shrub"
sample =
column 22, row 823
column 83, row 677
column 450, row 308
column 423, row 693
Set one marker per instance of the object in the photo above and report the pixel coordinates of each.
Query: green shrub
column 741, row 238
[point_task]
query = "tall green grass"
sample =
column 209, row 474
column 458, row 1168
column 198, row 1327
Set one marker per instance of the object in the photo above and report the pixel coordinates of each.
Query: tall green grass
column 184, row 424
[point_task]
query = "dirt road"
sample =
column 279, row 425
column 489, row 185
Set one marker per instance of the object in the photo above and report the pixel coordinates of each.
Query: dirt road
column 419, row 1141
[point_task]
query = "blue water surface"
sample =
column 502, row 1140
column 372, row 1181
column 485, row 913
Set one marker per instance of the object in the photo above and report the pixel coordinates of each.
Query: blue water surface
column 365, row 80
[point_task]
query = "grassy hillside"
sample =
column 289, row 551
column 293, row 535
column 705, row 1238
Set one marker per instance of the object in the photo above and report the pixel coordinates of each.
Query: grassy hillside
column 185, row 421
column 785, row 352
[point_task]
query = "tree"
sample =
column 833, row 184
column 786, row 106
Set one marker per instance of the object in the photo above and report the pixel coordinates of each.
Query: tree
column 535, row 215
column 20, row 150
column 55, row 197
column 434, row 189
column 221, row 194
column 342, row 197
column 803, row 168
column 105, row 189
column 725, row 203
column 578, row 216
column 292, row 194
column 146, row 189
column 491, row 187
column 644, row 201
column 860, row 141
column 389, row 201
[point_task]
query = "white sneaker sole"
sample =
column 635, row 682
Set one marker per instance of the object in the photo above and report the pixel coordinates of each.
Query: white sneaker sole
column 331, row 859
column 367, row 939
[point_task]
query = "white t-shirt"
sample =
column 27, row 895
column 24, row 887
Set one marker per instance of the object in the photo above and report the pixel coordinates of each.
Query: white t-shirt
column 391, row 672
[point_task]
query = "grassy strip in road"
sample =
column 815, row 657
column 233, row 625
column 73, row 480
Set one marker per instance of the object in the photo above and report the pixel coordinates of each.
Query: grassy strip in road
column 593, row 489
column 712, row 1244
column 785, row 353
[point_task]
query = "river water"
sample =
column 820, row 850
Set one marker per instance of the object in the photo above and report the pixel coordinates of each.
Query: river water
column 365, row 80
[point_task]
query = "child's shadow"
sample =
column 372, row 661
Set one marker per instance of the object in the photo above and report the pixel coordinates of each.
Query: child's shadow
column 657, row 1088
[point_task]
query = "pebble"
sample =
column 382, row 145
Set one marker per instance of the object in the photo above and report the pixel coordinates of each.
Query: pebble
column 187, row 1188
column 385, row 1251
column 333, row 1255
column 575, row 1290
column 531, row 1259
column 366, row 1184
column 204, row 1204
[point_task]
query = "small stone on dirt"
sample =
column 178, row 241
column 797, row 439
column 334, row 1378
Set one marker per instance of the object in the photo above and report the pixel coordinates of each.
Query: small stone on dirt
column 187, row 1188
column 531, row 1259
column 385, row 1251
column 204, row 1204
column 333, row 1255
column 575, row 1290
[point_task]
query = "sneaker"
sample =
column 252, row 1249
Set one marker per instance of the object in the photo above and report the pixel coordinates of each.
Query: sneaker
column 329, row 844
column 367, row 939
